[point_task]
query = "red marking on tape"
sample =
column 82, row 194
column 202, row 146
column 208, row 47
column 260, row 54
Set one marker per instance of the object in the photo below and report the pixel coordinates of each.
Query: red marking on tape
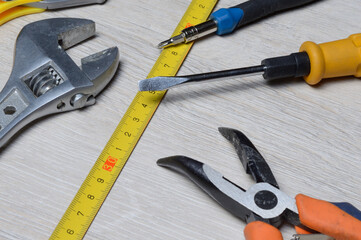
column 110, row 163
column 188, row 25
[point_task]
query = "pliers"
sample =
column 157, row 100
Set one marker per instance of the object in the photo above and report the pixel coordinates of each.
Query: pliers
column 263, row 206
column 10, row 9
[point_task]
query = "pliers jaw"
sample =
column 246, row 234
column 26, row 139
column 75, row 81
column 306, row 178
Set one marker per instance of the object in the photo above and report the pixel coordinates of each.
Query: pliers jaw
column 251, row 159
column 45, row 80
column 262, row 202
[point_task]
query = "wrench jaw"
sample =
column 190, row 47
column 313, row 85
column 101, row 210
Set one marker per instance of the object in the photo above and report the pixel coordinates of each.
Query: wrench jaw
column 101, row 67
column 48, row 34
column 45, row 80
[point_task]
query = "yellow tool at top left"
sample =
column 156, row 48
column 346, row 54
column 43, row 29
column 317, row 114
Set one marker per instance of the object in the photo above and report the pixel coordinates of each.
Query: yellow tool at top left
column 10, row 9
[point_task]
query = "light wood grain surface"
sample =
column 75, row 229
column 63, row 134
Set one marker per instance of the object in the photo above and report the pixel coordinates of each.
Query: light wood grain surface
column 310, row 136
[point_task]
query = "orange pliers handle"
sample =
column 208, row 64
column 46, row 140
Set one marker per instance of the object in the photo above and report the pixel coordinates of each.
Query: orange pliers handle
column 318, row 215
column 14, row 9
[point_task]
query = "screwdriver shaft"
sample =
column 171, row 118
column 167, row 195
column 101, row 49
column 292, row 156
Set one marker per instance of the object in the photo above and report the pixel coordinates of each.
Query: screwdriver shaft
column 225, row 73
column 162, row 83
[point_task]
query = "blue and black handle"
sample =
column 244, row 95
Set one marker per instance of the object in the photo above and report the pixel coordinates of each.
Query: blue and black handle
column 227, row 20
column 250, row 11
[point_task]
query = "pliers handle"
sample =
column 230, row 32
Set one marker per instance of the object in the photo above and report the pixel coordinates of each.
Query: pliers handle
column 13, row 9
column 10, row 9
column 318, row 215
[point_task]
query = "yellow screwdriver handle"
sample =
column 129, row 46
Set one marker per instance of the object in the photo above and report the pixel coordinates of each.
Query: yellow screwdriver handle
column 333, row 59
column 14, row 9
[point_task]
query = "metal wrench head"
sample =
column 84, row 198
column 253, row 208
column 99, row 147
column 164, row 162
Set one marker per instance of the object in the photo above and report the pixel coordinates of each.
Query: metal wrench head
column 58, row 4
column 45, row 80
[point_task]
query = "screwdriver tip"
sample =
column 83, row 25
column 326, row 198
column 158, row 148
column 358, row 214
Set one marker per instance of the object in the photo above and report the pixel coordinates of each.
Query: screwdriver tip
column 160, row 83
column 172, row 41
column 164, row 44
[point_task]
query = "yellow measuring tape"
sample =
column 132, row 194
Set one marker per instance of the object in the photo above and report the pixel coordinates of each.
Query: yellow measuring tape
column 91, row 195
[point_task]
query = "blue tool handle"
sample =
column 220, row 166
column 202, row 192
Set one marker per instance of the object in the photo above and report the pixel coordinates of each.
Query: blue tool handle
column 349, row 208
column 235, row 17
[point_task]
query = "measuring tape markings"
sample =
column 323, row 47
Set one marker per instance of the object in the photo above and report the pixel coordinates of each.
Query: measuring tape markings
column 97, row 185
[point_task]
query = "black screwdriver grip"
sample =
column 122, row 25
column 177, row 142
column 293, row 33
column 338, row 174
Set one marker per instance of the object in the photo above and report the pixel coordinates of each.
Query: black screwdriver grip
column 291, row 66
column 256, row 9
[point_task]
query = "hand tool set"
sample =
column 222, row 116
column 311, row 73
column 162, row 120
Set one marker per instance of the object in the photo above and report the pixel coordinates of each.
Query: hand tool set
column 45, row 80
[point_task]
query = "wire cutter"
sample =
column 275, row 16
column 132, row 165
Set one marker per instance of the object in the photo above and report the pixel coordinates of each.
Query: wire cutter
column 10, row 9
column 263, row 206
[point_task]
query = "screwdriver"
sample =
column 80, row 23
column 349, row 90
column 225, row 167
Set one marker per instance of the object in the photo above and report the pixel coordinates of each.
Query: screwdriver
column 225, row 21
column 313, row 62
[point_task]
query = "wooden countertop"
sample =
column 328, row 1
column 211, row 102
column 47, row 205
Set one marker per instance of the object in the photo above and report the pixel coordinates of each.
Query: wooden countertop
column 310, row 136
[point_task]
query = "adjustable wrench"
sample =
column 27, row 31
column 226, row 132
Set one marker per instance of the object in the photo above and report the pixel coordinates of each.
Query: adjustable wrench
column 45, row 80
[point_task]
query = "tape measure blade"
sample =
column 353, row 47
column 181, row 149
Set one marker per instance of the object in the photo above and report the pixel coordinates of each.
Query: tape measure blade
column 97, row 185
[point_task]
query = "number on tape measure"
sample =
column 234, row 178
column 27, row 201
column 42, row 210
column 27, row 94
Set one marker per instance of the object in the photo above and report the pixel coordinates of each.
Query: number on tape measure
column 92, row 193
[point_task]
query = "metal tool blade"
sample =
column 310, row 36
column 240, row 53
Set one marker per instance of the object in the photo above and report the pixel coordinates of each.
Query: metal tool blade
column 58, row 4
column 163, row 83
column 50, row 33
column 100, row 67
column 251, row 159
column 160, row 83
column 210, row 181
column 172, row 41
column 311, row 237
